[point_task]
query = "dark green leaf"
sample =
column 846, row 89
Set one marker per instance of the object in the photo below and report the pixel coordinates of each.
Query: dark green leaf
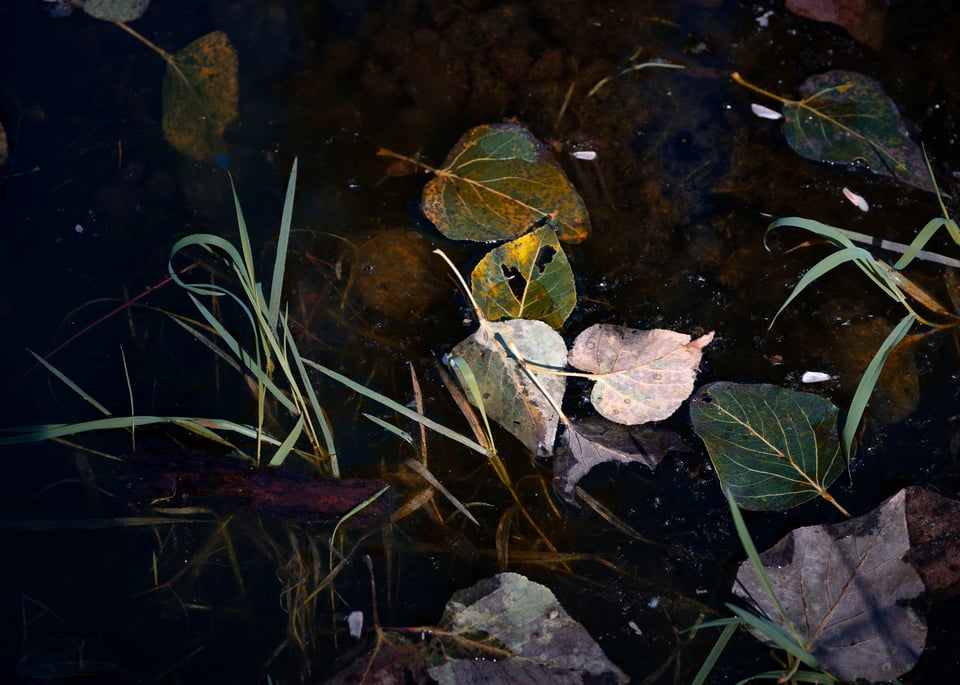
column 772, row 448
column 847, row 118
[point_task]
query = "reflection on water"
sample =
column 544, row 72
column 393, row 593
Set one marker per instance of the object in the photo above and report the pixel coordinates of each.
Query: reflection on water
column 683, row 184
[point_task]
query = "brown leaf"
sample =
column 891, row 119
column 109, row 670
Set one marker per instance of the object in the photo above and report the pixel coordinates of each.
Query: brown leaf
column 863, row 19
column 588, row 443
column 934, row 525
column 641, row 375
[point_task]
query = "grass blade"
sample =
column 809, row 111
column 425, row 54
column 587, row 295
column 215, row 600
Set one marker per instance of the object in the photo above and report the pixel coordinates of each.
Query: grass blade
column 869, row 379
column 283, row 241
column 70, row 384
column 715, row 653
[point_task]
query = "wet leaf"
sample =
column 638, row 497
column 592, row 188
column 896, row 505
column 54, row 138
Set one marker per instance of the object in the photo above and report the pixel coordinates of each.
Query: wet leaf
column 200, row 96
column 934, row 526
column 847, row 118
column 498, row 183
column 508, row 629
column 641, row 375
column 772, row 448
column 510, row 397
column 527, row 278
column 863, row 19
column 588, row 443
column 116, row 10
column 844, row 588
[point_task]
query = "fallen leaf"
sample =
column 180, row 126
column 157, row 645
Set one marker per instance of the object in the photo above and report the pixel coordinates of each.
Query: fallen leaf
column 200, row 96
column 641, row 375
column 934, row 526
column 846, row 118
column 510, row 398
column 862, row 19
column 116, row 10
column 508, row 629
column 844, row 587
column 527, row 278
column 584, row 444
column 499, row 182
column 772, row 448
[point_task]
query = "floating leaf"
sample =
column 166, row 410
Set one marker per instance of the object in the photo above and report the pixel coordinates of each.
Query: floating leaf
column 846, row 118
column 844, row 588
column 527, row 278
column 510, row 397
column 863, row 19
column 498, row 183
column 588, row 443
column 640, row 375
column 772, row 448
column 116, row 10
column 200, row 96
column 508, row 629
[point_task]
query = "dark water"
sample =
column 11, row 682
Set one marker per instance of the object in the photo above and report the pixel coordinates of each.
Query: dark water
column 685, row 181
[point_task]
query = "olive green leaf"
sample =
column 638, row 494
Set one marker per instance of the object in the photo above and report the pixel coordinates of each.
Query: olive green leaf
column 527, row 278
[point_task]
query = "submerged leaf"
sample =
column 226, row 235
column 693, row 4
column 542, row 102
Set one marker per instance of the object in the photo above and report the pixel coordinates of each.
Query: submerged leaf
column 863, row 19
column 200, row 96
column 589, row 443
column 844, row 589
column 641, row 376
column 527, row 278
column 510, row 397
column 116, row 10
column 772, row 448
column 498, row 183
column 508, row 629
column 847, row 118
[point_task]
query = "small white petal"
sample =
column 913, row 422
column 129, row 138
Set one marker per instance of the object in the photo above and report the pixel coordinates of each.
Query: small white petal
column 355, row 623
column 765, row 112
column 78, row 228
column 587, row 155
column 857, row 200
column 815, row 377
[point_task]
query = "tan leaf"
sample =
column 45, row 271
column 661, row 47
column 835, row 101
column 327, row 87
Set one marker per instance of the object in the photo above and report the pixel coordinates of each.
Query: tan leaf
column 641, row 375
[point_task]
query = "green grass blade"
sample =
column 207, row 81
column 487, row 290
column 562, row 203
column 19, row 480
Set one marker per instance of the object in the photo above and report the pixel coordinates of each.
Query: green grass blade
column 399, row 408
column 777, row 635
column 346, row 517
column 754, row 556
column 829, row 232
column 791, row 677
column 133, row 411
column 70, row 384
column 390, row 428
column 283, row 241
column 288, row 443
column 918, row 243
column 715, row 653
column 246, row 263
column 847, row 254
column 869, row 379
column 468, row 382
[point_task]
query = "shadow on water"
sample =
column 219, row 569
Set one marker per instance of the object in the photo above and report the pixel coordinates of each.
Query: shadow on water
column 683, row 185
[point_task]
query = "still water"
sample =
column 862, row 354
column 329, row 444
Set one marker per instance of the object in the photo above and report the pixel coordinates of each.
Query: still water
column 684, row 182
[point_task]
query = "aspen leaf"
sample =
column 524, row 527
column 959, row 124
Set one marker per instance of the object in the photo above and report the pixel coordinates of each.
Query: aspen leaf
column 498, row 183
column 641, row 375
column 116, row 10
column 527, row 278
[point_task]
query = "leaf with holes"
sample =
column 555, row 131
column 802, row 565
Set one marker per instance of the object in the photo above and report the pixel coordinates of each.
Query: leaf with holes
column 845, row 118
column 498, row 183
column 510, row 398
column 845, row 588
column 527, row 278
column 640, row 375
column 772, row 448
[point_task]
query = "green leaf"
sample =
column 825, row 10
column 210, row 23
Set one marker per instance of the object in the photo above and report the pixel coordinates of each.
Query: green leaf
column 499, row 182
column 640, row 375
column 116, row 10
column 509, row 396
column 200, row 96
column 527, row 278
column 772, row 448
column 847, row 118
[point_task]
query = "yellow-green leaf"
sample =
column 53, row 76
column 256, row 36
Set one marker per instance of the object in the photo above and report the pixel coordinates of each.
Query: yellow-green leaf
column 498, row 183
column 200, row 96
column 527, row 278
